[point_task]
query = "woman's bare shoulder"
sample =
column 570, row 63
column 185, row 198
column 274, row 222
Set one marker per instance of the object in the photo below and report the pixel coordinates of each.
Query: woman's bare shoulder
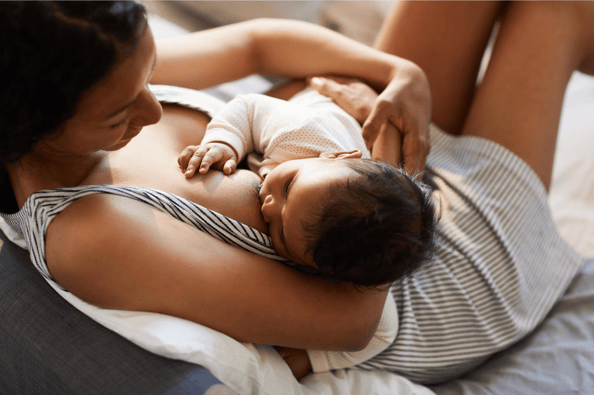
column 94, row 237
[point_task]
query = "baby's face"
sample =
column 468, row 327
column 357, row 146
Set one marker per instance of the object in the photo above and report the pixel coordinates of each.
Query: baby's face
column 292, row 195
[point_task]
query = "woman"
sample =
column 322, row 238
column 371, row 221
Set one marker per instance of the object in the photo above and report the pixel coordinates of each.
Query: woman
column 83, row 127
column 485, row 280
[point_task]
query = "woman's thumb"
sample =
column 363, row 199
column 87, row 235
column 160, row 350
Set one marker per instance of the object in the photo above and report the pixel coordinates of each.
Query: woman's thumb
column 372, row 126
column 325, row 86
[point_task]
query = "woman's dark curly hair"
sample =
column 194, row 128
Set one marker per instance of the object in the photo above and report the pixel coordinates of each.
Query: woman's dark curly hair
column 53, row 52
column 376, row 229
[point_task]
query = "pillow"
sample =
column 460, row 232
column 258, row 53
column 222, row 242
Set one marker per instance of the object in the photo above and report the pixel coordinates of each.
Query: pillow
column 48, row 347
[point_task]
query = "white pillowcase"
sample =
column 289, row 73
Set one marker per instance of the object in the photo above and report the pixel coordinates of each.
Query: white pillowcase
column 246, row 368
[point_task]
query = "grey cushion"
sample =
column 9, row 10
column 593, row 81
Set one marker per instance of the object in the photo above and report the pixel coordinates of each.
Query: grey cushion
column 49, row 347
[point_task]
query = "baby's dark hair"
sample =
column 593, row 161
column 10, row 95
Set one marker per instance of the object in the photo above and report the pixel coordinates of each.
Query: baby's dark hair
column 52, row 52
column 374, row 229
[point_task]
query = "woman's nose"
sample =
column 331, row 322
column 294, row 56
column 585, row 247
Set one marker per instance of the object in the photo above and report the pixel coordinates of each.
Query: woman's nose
column 148, row 107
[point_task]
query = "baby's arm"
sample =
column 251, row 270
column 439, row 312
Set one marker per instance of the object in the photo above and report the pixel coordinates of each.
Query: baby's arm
column 246, row 124
column 227, row 139
column 302, row 362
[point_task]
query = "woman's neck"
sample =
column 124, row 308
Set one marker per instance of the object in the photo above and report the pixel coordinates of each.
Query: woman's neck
column 34, row 173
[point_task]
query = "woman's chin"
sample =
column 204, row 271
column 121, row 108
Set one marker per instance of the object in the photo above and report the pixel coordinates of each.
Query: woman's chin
column 124, row 141
column 121, row 144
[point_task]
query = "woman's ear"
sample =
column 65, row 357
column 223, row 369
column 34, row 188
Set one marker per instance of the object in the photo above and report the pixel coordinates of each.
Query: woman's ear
column 354, row 154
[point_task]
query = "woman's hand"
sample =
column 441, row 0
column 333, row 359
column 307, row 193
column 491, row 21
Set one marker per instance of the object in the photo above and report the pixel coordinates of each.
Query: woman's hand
column 405, row 104
column 388, row 145
column 297, row 360
column 357, row 99
column 351, row 94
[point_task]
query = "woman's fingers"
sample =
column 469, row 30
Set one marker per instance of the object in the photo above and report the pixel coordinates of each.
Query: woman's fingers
column 388, row 145
column 406, row 104
column 327, row 87
column 413, row 131
column 372, row 126
column 352, row 95
column 415, row 148
column 321, row 79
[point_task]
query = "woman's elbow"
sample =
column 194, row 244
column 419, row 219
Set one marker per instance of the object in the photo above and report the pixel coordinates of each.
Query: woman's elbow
column 361, row 328
column 360, row 337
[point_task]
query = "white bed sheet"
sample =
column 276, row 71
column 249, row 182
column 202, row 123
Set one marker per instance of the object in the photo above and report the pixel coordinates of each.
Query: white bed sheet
column 572, row 187
column 244, row 367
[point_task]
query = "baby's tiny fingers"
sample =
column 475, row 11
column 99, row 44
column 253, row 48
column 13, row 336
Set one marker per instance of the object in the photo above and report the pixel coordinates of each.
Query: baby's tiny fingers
column 185, row 156
column 230, row 166
column 212, row 156
column 195, row 161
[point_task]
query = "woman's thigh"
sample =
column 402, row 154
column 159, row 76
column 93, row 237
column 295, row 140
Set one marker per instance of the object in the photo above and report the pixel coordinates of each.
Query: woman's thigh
column 518, row 103
column 447, row 40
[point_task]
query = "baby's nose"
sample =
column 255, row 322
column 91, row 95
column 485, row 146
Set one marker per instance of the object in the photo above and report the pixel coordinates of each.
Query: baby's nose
column 267, row 208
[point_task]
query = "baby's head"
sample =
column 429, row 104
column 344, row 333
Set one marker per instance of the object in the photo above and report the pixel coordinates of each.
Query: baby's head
column 350, row 219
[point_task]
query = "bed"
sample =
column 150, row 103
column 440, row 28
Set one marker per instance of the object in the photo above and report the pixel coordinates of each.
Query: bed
column 47, row 345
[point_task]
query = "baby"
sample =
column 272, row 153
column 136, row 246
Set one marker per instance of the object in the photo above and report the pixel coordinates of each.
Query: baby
column 329, row 208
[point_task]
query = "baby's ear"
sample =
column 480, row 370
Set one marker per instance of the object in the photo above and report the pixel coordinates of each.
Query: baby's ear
column 354, row 154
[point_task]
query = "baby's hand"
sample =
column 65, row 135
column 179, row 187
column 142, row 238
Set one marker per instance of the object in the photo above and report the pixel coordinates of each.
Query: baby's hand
column 218, row 155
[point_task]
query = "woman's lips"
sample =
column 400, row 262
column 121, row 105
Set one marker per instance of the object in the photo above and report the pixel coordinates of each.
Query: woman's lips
column 131, row 134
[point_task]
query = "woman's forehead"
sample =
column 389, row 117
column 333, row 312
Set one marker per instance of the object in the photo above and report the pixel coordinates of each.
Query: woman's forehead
column 121, row 86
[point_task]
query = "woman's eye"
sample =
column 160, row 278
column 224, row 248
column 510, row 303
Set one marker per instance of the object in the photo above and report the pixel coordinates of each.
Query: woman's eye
column 117, row 125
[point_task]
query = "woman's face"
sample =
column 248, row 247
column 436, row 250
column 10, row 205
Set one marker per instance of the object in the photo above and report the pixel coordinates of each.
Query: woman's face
column 113, row 111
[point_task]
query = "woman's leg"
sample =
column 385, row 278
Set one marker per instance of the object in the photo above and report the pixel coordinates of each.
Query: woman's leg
column 447, row 40
column 518, row 104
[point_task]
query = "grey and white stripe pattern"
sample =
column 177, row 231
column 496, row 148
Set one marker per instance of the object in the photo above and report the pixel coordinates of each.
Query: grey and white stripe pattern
column 190, row 98
column 500, row 264
column 43, row 206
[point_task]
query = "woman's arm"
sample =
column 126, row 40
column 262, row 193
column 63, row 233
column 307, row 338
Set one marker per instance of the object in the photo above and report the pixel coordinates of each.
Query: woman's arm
column 280, row 47
column 119, row 253
column 298, row 49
